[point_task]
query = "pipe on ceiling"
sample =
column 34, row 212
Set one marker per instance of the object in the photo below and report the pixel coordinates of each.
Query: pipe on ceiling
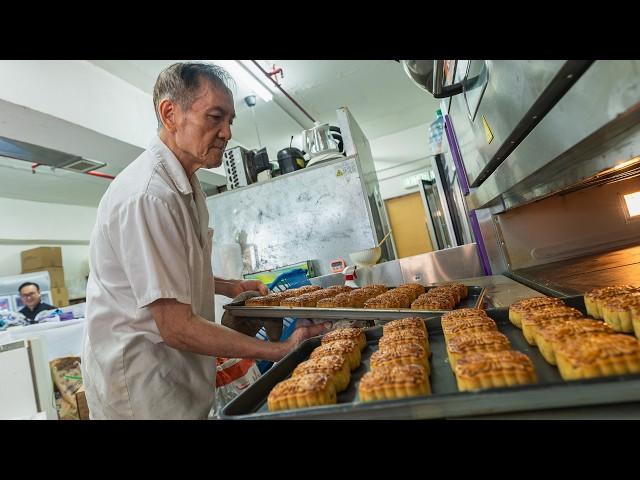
column 266, row 74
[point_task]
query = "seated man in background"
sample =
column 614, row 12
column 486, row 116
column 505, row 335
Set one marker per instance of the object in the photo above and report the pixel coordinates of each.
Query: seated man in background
column 30, row 295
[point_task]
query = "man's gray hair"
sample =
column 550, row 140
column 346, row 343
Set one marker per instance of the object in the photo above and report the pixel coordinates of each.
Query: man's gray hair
column 181, row 81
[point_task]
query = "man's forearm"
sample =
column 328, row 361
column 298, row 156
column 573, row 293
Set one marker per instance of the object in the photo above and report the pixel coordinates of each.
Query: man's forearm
column 207, row 338
column 226, row 287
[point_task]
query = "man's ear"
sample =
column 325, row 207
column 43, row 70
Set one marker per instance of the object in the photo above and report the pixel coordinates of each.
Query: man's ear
column 167, row 111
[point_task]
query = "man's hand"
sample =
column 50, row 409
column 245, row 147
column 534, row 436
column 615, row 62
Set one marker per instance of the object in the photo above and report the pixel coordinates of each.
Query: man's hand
column 252, row 286
column 233, row 288
column 301, row 333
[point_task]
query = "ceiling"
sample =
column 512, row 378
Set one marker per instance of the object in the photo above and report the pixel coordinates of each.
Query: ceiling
column 379, row 95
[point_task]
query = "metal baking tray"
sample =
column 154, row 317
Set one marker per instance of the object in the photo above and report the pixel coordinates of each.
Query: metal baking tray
column 550, row 392
column 474, row 298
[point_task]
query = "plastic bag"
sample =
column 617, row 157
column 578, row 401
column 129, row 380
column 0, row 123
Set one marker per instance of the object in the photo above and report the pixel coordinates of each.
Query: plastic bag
column 234, row 376
column 67, row 380
column 48, row 316
column 11, row 319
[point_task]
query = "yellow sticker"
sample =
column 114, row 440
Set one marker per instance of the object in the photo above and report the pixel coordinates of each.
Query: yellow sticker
column 488, row 134
column 339, row 173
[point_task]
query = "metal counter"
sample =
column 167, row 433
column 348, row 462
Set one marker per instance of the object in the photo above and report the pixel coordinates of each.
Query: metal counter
column 500, row 291
column 579, row 275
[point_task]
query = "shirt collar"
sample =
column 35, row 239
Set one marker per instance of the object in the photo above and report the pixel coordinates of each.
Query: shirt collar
column 172, row 164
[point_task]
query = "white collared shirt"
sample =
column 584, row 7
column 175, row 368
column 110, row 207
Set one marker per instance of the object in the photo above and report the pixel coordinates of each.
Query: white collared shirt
column 151, row 241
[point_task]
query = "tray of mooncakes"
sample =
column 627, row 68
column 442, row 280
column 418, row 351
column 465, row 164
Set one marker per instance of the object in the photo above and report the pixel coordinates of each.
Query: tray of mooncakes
column 540, row 354
column 371, row 302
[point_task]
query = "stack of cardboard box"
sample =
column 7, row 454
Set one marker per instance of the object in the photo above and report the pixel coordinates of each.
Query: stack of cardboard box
column 48, row 259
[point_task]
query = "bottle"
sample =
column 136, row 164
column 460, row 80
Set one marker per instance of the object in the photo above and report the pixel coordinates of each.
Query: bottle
column 436, row 132
column 350, row 276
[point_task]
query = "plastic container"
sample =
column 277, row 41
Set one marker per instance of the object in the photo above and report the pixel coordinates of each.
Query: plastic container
column 293, row 279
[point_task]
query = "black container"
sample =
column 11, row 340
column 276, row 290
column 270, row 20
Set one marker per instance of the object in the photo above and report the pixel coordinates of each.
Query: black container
column 290, row 160
column 261, row 160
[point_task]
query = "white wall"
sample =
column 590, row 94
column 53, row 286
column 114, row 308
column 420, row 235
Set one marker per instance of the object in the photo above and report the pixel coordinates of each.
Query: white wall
column 52, row 223
column 394, row 161
column 81, row 93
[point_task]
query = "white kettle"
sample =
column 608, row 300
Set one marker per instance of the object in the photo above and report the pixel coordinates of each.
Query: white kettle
column 318, row 140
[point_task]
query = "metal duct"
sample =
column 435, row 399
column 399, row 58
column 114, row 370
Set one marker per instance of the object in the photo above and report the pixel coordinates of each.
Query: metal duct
column 46, row 156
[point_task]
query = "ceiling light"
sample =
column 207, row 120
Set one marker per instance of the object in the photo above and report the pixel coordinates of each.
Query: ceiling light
column 242, row 74
column 632, row 202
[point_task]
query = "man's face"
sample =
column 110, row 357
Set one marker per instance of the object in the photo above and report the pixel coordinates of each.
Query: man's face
column 204, row 129
column 30, row 296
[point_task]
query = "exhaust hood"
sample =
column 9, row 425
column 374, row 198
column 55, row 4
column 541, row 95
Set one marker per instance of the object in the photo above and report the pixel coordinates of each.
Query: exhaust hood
column 46, row 156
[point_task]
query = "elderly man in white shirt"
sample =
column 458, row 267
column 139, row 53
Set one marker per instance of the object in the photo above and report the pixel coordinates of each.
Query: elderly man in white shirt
column 151, row 337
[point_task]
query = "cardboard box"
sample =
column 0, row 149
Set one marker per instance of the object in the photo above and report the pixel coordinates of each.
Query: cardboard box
column 60, row 297
column 83, row 407
column 41, row 257
column 55, row 273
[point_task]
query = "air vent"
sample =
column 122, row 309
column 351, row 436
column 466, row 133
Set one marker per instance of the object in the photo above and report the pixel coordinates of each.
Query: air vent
column 46, row 156
column 83, row 165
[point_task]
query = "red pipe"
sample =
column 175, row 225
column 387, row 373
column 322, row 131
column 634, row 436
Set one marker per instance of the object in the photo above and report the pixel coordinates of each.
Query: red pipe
column 282, row 90
column 92, row 172
column 99, row 174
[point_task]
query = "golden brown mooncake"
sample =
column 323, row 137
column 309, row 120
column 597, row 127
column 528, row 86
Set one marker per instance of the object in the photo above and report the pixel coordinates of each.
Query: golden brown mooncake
column 397, row 381
column 311, row 390
column 375, row 288
column 432, row 303
column 347, row 348
column 265, row 301
column 383, row 302
column 336, row 289
column 403, row 323
column 405, row 296
column 448, row 289
column 463, row 344
column 408, row 293
column 442, row 292
column 277, row 297
column 462, row 289
column 597, row 355
column 304, row 300
column 416, row 288
column 482, row 370
column 594, row 299
column 342, row 300
column 533, row 320
column 464, row 312
column 336, row 366
column 324, row 293
column 406, row 335
column 616, row 311
column 401, row 354
column 306, row 289
column 348, row 333
column 359, row 296
column 452, row 327
column 527, row 305
column 547, row 337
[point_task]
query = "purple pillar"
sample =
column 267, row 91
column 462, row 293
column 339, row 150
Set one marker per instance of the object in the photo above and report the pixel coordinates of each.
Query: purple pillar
column 464, row 185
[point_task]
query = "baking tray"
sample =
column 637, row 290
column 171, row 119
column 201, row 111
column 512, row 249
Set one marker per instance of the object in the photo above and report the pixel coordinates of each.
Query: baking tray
column 550, row 392
column 474, row 298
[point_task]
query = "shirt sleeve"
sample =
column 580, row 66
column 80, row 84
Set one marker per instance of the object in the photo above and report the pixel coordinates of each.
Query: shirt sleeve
column 149, row 238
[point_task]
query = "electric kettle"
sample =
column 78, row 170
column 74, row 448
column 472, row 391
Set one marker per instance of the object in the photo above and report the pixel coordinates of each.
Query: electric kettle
column 319, row 141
